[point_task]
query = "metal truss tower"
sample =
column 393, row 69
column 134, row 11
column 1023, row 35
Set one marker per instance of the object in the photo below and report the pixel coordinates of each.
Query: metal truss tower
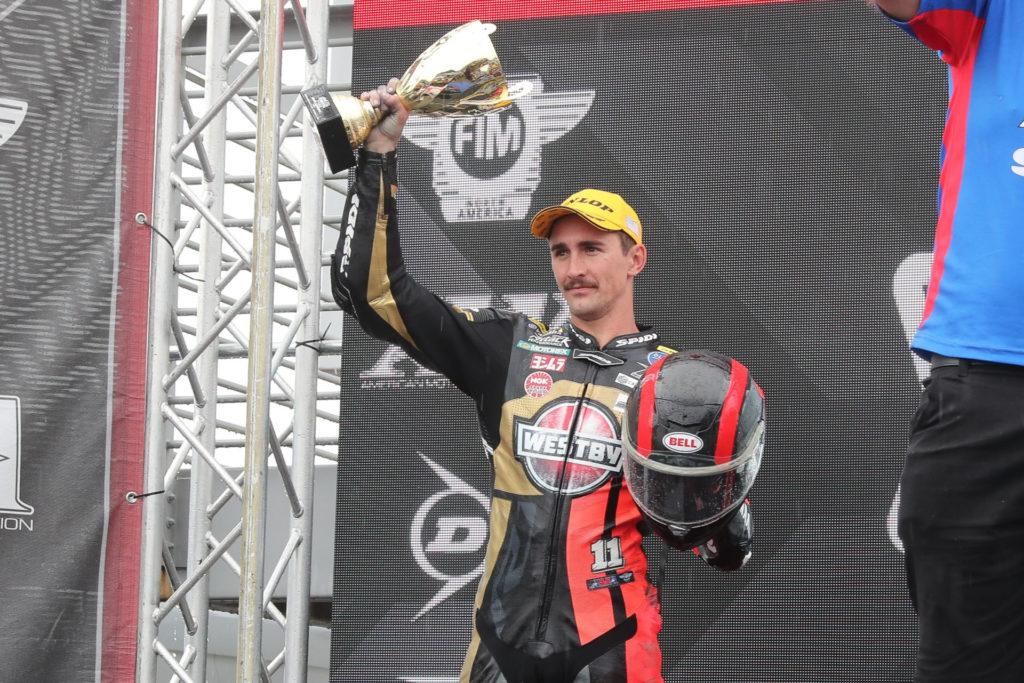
column 240, row 399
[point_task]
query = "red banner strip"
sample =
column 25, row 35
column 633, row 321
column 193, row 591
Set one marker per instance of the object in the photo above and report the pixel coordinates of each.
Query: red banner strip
column 392, row 13
column 128, row 433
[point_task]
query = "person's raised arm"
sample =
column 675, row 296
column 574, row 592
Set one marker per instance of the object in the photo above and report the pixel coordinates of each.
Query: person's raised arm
column 369, row 279
column 901, row 10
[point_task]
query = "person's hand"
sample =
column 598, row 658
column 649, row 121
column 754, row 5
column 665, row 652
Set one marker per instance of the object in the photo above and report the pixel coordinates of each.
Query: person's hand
column 385, row 135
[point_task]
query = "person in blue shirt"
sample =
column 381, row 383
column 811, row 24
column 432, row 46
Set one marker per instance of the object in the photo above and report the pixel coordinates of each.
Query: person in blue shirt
column 961, row 515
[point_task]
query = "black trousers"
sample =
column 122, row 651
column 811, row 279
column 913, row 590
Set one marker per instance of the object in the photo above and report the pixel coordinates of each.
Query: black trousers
column 962, row 523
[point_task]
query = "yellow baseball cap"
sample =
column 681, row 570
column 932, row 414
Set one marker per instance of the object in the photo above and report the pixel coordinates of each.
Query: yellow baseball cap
column 604, row 210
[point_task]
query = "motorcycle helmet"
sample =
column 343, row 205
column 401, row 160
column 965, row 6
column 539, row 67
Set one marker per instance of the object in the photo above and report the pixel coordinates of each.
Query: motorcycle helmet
column 693, row 434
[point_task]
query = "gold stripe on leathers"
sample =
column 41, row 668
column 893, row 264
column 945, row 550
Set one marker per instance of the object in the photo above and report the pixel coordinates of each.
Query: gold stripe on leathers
column 378, row 285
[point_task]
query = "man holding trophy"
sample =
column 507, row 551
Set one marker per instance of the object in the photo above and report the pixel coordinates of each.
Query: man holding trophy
column 565, row 594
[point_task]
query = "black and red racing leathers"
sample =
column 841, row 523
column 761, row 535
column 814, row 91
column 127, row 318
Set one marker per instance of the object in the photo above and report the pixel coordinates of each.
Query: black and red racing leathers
column 565, row 587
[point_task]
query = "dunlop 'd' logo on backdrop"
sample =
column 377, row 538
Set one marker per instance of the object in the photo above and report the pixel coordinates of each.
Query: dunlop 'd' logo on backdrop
column 486, row 168
column 448, row 535
column 10, row 466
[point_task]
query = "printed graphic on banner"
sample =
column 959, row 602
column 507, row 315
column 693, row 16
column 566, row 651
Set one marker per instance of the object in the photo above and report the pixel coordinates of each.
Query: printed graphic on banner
column 10, row 462
column 394, row 369
column 64, row 108
column 450, row 530
column 486, row 168
column 8, row 6
column 12, row 113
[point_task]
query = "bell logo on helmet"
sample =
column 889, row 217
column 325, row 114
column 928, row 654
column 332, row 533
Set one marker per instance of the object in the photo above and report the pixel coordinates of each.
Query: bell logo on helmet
column 683, row 442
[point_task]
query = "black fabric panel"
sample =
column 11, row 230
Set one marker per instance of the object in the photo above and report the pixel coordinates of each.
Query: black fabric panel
column 60, row 66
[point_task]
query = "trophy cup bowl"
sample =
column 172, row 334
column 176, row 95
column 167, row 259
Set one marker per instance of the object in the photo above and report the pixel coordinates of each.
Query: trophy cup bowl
column 459, row 75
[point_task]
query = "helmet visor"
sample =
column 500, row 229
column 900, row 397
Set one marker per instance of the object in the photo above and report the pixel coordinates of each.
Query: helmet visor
column 683, row 491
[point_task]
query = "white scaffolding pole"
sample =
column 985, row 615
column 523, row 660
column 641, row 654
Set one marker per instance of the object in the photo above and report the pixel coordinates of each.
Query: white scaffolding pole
column 257, row 417
column 201, row 481
column 236, row 296
column 306, row 365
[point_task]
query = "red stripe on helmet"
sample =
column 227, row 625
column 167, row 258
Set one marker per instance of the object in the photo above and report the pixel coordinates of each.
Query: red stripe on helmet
column 731, row 406
column 645, row 420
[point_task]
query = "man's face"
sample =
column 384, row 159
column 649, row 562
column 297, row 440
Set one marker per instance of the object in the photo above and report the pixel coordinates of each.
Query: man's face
column 591, row 269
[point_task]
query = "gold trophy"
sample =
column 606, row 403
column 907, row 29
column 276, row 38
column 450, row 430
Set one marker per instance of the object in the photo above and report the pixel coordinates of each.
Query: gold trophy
column 459, row 75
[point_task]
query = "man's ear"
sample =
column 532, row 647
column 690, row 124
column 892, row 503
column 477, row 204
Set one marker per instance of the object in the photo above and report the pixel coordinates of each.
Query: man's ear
column 637, row 259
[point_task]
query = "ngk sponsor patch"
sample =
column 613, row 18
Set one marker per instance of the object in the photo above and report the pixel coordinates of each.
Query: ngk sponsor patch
column 538, row 384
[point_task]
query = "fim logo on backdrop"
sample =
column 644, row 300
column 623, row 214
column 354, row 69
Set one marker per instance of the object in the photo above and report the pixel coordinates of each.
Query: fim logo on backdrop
column 10, row 468
column 486, row 168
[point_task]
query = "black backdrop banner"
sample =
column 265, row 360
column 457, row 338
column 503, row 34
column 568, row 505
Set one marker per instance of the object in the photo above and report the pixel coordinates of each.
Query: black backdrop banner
column 783, row 158
column 76, row 159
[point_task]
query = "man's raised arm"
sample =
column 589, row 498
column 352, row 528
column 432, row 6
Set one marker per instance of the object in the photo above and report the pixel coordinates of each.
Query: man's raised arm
column 903, row 10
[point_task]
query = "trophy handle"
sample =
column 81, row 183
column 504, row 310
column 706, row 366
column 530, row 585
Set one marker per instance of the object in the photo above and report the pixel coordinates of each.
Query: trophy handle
column 358, row 116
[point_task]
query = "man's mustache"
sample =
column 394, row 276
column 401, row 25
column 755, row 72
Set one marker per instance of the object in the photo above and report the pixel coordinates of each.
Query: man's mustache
column 578, row 282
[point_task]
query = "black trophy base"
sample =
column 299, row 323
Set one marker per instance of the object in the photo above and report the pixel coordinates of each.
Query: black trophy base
column 330, row 127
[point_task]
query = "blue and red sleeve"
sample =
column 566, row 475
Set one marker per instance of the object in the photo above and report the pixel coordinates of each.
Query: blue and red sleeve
column 951, row 27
